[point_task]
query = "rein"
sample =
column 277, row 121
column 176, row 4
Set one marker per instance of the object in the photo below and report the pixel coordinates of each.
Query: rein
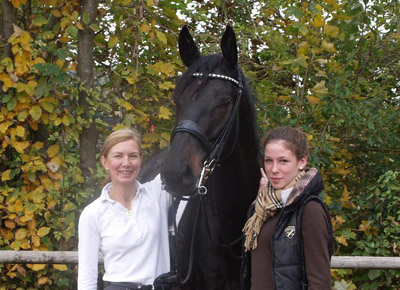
column 215, row 151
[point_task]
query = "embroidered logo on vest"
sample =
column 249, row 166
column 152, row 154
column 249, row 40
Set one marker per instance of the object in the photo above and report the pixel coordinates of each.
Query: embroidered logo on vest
column 290, row 231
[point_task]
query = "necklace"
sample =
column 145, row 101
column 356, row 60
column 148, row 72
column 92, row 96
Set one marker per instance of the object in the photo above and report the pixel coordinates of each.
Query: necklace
column 112, row 194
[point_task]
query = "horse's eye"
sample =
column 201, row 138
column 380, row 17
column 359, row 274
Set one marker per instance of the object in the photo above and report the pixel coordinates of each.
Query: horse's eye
column 226, row 103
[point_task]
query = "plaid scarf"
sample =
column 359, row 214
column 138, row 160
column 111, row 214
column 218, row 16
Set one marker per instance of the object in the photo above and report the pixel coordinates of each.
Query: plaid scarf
column 267, row 203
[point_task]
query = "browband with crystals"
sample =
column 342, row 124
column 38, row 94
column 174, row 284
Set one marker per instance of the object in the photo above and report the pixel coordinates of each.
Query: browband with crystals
column 217, row 76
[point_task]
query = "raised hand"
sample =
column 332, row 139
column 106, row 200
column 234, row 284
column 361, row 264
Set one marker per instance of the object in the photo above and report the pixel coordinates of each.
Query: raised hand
column 263, row 180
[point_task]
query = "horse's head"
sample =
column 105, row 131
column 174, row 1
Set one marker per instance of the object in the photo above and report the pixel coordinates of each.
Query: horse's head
column 205, row 99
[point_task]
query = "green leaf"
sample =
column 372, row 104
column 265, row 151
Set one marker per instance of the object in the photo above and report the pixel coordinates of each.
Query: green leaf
column 373, row 274
column 39, row 22
column 43, row 231
column 35, row 112
column 73, row 31
column 86, row 18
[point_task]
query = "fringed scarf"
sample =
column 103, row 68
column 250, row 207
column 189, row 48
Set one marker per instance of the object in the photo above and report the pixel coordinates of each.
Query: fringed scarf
column 267, row 203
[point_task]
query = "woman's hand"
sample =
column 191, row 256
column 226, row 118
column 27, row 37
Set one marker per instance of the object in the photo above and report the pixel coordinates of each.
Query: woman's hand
column 263, row 180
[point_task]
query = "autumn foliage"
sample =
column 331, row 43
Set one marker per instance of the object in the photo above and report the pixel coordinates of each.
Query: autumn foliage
column 330, row 67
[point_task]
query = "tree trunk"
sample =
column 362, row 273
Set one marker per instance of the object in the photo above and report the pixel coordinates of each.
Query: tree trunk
column 8, row 20
column 89, row 135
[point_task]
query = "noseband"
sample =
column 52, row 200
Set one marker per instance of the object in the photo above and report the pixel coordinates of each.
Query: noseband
column 216, row 148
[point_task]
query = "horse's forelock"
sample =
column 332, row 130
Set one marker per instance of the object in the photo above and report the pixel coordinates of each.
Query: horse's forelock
column 205, row 65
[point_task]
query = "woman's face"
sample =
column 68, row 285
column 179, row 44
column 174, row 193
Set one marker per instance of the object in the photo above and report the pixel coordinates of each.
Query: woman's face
column 281, row 164
column 123, row 162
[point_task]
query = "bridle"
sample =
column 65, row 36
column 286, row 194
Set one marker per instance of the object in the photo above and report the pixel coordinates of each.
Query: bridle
column 215, row 151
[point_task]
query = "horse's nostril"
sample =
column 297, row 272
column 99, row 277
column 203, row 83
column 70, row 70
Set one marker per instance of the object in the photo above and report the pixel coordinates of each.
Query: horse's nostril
column 186, row 175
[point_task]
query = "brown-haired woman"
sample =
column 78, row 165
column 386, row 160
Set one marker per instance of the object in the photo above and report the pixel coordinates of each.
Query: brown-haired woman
column 288, row 239
column 127, row 223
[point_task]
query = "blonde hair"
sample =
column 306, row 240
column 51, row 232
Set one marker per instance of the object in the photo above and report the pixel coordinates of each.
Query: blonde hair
column 119, row 136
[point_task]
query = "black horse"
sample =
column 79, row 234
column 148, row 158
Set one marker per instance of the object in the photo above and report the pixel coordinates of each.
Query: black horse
column 213, row 157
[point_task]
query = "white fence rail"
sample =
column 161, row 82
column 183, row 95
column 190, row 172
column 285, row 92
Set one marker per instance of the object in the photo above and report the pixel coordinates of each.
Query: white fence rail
column 70, row 257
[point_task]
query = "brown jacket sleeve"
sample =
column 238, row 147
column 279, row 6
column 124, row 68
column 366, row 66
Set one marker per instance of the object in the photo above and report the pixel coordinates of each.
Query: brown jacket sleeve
column 315, row 238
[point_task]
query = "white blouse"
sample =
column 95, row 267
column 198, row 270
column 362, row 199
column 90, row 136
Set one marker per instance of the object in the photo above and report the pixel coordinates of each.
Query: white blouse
column 134, row 243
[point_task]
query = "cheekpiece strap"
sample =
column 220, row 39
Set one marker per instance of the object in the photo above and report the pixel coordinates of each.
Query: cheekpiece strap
column 217, row 76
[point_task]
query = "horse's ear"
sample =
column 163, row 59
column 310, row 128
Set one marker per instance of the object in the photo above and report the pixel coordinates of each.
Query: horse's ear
column 228, row 46
column 187, row 48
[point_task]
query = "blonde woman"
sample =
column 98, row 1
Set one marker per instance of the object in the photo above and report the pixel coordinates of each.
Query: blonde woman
column 127, row 223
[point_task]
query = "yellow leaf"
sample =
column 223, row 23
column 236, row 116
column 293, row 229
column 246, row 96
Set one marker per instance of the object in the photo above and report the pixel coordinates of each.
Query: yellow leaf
column 67, row 120
column 4, row 126
column 112, row 41
column 57, row 121
column 25, row 218
column 37, row 60
column 38, row 267
column 166, row 85
column 64, row 22
column 319, row 7
column 20, row 234
column 10, row 224
column 150, row 2
column 25, row 38
column 341, row 240
column 318, row 21
column 36, row 241
column 16, row 3
column 162, row 67
column 56, row 13
column 16, row 245
column 59, row 63
column 145, row 28
column 46, row 182
column 285, row 98
column 79, row 26
column 33, row 125
column 161, row 36
column 53, row 150
column 304, row 47
column 132, row 78
column 20, row 146
column 20, row 131
column 37, row 145
column 25, row 244
column 320, row 89
column 18, row 206
column 126, row 105
column 60, row 267
column 43, row 280
column 43, row 231
column 313, row 100
column 165, row 113
column 6, row 175
column 6, row 234
column 20, row 87
column 340, row 171
column 328, row 199
column 331, row 30
column 35, row 112
column 329, row 47
column 7, row 81
column 51, row 203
